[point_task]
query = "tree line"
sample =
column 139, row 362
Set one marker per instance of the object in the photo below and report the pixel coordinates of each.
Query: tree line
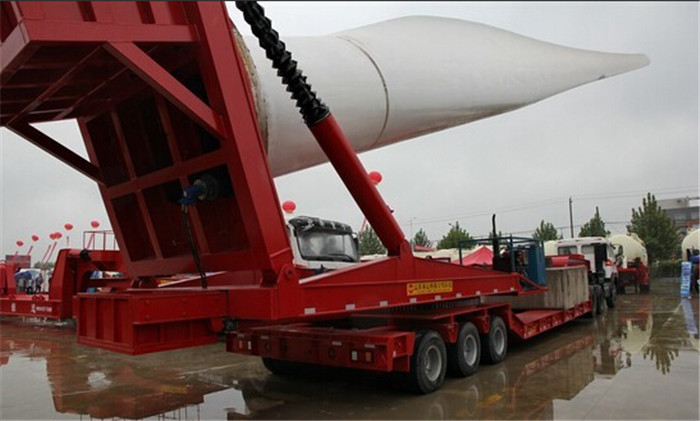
column 659, row 232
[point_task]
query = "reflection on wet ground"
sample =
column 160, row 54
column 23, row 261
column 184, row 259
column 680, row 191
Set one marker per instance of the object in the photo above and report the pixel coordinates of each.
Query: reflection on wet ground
column 639, row 361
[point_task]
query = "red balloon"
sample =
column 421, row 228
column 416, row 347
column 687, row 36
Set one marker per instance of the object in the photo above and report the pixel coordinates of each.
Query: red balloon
column 20, row 243
column 375, row 177
column 58, row 235
column 52, row 236
column 289, row 206
column 35, row 237
column 68, row 227
column 94, row 224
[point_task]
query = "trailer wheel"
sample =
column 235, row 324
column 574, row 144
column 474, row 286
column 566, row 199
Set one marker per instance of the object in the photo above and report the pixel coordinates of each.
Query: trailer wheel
column 428, row 363
column 594, row 302
column 495, row 343
column 464, row 355
column 281, row 367
column 612, row 298
column 600, row 299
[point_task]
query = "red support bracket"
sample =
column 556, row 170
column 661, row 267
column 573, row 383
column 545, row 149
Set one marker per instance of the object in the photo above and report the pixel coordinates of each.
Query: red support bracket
column 56, row 149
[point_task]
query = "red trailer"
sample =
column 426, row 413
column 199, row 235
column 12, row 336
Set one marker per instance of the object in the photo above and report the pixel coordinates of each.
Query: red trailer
column 162, row 98
column 636, row 275
column 76, row 270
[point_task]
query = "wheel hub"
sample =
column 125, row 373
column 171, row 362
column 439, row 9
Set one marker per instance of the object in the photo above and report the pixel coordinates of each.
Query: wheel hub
column 432, row 364
column 499, row 341
column 470, row 350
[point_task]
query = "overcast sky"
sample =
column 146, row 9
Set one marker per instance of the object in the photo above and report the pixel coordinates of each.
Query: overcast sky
column 605, row 144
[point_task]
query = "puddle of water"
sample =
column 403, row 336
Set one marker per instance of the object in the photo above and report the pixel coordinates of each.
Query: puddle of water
column 639, row 361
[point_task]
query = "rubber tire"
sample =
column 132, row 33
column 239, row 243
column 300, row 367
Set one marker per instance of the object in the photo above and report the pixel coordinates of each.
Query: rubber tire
column 497, row 332
column 600, row 300
column 457, row 364
column 612, row 299
column 418, row 381
column 644, row 289
column 594, row 301
column 282, row 368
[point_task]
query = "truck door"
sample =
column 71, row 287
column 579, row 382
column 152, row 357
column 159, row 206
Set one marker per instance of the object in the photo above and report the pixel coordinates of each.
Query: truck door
column 601, row 255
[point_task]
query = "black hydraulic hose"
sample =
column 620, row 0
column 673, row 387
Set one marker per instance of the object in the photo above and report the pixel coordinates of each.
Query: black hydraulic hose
column 190, row 243
column 311, row 107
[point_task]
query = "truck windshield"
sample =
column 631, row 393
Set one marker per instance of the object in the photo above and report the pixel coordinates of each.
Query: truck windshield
column 330, row 246
column 567, row 250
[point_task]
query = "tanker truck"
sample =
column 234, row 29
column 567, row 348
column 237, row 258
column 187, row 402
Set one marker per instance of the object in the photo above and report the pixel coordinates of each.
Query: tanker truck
column 633, row 268
column 184, row 144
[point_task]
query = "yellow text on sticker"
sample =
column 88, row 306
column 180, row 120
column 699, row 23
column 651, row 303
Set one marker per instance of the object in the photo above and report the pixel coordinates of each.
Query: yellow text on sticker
column 421, row 288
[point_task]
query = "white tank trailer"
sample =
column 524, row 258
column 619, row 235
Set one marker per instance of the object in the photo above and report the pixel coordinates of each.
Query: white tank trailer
column 632, row 247
column 550, row 248
column 690, row 242
column 634, row 270
column 403, row 78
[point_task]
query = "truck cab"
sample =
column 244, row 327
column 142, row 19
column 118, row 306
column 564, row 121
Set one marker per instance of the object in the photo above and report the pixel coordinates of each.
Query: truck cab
column 602, row 256
column 321, row 245
column 599, row 251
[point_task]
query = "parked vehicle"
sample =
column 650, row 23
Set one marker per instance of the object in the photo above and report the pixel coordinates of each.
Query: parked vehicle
column 633, row 266
column 602, row 275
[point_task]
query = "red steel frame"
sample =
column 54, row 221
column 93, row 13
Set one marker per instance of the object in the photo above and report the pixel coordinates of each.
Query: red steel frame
column 389, row 347
column 161, row 95
column 637, row 276
column 71, row 276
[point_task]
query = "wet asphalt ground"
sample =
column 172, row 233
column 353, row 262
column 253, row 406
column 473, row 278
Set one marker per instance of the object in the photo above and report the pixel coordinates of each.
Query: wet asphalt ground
column 637, row 361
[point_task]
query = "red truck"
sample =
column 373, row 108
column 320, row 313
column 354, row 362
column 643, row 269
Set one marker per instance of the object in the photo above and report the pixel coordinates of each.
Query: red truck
column 162, row 97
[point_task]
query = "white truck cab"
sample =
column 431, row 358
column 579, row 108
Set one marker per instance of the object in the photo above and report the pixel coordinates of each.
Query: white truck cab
column 603, row 275
column 597, row 250
column 321, row 244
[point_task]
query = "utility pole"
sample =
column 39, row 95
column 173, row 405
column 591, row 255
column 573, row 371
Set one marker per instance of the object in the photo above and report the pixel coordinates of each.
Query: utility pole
column 571, row 217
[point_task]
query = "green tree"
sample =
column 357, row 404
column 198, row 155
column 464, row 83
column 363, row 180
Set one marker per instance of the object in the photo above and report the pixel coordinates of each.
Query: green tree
column 370, row 243
column 454, row 236
column 421, row 239
column 500, row 234
column 595, row 227
column 546, row 232
column 660, row 233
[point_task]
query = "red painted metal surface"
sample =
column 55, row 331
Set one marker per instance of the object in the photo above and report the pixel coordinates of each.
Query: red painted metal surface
column 162, row 99
column 634, row 276
column 348, row 166
column 384, row 283
column 72, row 274
column 7, row 280
column 379, row 349
column 387, row 347
column 141, row 321
column 533, row 322
column 565, row 260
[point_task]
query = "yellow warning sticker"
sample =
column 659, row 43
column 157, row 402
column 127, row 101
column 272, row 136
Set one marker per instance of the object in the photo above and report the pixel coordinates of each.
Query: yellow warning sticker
column 422, row 288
